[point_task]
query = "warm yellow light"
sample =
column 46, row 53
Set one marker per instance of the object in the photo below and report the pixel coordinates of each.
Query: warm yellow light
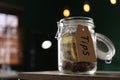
column 86, row 7
column 66, row 12
column 113, row 1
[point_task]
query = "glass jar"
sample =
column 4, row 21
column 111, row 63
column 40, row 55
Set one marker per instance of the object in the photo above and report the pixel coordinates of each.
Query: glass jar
column 67, row 55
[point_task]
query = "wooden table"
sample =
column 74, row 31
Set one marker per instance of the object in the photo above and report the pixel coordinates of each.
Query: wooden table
column 55, row 75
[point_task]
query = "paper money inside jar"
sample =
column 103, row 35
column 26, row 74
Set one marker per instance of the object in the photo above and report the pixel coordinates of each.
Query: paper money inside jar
column 77, row 46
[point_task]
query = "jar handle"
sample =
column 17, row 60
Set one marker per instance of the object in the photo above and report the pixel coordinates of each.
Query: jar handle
column 103, row 55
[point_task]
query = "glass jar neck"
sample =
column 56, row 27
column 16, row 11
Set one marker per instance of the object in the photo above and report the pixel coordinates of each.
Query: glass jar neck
column 74, row 21
column 70, row 24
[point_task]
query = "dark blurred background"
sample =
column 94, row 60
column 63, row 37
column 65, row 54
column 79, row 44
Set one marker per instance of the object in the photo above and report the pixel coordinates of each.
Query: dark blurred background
column 39, row 24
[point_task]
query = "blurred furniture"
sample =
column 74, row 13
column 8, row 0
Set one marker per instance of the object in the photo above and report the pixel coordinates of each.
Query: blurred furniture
column 8, row 75
column 55, row 75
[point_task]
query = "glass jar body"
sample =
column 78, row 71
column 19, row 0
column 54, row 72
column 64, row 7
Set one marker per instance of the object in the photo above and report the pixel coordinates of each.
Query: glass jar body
column 67, row 58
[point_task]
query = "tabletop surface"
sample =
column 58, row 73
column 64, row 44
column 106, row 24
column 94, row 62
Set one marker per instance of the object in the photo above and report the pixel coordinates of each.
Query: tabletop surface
column 45, row 75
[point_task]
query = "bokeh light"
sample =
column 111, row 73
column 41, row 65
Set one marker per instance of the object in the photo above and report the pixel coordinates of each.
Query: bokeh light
column 86, row 7
column 66, row 12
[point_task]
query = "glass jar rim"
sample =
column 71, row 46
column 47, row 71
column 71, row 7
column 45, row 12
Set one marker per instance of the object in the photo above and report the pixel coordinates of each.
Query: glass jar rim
column 77, row 18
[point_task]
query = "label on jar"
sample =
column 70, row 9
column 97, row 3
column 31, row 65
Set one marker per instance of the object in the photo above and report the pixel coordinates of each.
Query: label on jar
column 84, row 45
